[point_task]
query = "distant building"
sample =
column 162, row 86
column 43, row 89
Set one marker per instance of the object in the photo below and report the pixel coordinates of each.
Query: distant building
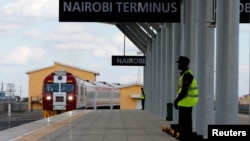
column 245, row 99
column 130, row 96
column 5, row 98
column 36, row 78
column 2, row 94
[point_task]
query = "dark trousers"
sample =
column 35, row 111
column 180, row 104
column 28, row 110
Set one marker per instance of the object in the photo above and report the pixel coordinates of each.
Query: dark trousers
column 185, row 123
column 142, row 103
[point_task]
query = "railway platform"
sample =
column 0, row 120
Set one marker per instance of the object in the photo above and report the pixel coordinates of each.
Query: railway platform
column 94, row 125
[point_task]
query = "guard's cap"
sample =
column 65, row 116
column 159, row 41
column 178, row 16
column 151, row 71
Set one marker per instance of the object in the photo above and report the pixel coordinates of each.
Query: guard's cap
column 183, row 60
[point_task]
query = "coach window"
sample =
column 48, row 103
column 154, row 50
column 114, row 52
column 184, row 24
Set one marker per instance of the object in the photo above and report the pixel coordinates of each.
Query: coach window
column 52, row 87
column 83, row 90
column 67, row 87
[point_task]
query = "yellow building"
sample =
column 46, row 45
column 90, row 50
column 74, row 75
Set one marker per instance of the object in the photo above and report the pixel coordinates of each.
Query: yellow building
column 36, row 79
column 245, row 99
column 130, row 96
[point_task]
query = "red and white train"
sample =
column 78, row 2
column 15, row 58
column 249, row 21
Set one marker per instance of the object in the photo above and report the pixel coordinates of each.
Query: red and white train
column 63, row 91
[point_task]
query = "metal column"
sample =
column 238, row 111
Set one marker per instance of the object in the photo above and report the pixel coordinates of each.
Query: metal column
column 189, row 48
column 190, row 31
column 227, row 52
column 177, row 43
column 158, row 78
column 205, row 66
column 169, row 64
column 163, row 72
column 148, row 79
column 154, row 79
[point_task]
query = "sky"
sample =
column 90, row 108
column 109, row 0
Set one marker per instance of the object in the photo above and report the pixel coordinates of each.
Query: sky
column 31, row 37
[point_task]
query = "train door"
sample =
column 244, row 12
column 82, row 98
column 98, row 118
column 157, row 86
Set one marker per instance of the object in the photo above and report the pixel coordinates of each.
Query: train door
column 59, row 97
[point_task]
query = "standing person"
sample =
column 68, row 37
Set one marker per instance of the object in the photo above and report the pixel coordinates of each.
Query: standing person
column 142, row 98
column 187, row 98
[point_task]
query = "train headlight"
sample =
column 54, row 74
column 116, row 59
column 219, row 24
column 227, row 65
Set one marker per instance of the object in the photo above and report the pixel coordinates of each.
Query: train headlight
column 70, row 98
column 48, row 97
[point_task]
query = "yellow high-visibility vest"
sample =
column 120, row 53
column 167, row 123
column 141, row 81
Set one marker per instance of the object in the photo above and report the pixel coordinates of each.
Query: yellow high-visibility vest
column 192, row 94
column 142, row 96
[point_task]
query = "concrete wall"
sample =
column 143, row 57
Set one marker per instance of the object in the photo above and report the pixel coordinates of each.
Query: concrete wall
column 15, row 107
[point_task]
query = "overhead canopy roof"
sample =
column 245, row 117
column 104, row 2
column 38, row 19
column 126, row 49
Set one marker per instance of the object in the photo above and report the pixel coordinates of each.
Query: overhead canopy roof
column 130, row 17
column 140, row 34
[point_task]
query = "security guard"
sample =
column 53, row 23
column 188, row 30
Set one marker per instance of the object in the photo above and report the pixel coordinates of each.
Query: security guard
column 142, row 98
column 187, row 98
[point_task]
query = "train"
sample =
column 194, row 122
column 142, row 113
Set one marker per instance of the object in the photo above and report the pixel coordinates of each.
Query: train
column 63, row 91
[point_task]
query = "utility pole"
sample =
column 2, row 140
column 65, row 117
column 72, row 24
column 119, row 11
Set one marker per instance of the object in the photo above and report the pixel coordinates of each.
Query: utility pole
column 20, row 99
column 20, row 93
column 139, row 70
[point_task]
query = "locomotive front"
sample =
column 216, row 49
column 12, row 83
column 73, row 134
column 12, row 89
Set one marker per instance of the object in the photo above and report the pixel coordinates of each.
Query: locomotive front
column 59, row 93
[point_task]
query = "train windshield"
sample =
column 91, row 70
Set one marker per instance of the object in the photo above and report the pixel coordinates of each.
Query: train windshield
column 52, row 87
column 67, row 87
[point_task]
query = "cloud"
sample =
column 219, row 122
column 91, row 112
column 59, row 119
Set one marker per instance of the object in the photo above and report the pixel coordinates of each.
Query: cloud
column 4, row 28
column 22, row 55
column 70, row 36
column 105, row 51
column 116, row 74
column 245, row 28
column 65, row 36
column 128, row 79
column 72, row 28
column 83, row 37
column 33, row 34
column 32, row 9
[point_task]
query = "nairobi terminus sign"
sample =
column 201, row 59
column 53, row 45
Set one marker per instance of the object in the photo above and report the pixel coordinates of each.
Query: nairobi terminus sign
column 128, row 61
column 119, row 11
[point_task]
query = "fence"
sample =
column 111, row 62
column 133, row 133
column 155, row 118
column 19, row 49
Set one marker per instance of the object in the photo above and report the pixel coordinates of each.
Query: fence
column 244, row 108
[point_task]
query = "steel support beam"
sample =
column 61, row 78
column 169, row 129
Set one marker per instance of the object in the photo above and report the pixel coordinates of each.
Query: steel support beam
column 227, row 61
column 142, row 46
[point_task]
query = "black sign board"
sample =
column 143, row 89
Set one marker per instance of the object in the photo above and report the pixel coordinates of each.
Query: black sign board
column 119, row 11
column 128, row 60
column 244, row 11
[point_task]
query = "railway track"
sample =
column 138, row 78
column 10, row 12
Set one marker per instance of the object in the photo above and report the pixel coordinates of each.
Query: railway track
column 18, row 118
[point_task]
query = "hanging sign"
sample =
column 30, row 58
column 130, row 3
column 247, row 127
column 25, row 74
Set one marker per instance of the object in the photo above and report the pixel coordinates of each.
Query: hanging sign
column 244, row 11
column 119, row 11
column 128, row 60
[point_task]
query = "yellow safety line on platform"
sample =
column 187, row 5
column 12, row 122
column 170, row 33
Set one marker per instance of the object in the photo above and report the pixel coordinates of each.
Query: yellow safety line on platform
column 38, row 134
